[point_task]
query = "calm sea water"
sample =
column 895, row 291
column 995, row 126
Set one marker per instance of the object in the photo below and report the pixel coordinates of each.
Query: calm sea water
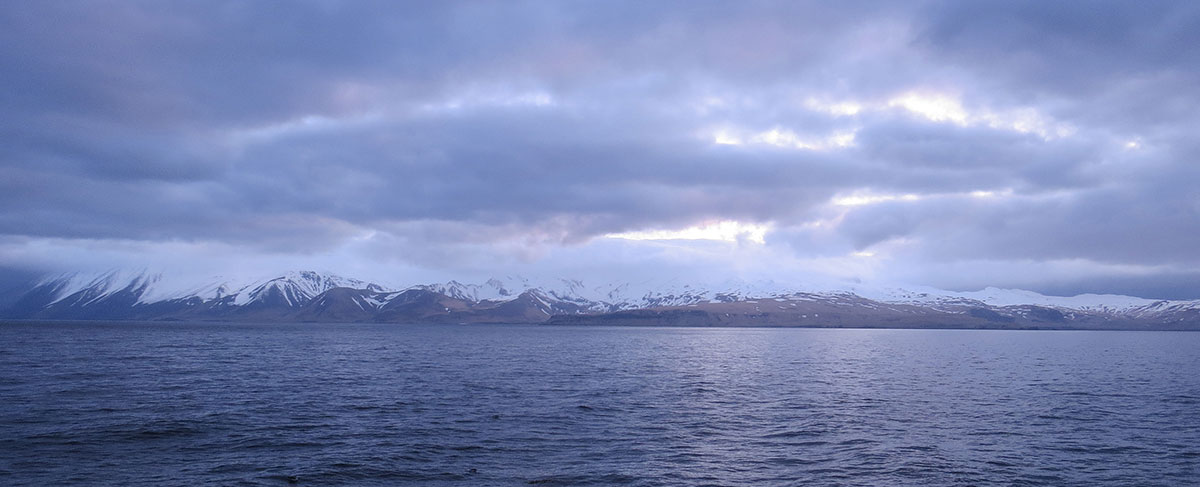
column 310, row 404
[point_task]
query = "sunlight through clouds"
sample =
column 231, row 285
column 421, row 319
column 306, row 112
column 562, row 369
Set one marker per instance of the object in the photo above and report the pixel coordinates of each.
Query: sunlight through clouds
column 727, row 230
column 862, row 199
column 937, row 108
column 484, row 136
column 786, row 139
column 949, row 109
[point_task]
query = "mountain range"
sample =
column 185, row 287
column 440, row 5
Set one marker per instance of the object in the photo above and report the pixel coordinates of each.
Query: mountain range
column 309, row 296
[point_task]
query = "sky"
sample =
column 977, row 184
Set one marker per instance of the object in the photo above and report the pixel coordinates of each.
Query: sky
column 1049, row 146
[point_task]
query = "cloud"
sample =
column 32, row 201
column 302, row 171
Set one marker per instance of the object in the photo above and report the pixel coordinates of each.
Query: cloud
column 458, row 137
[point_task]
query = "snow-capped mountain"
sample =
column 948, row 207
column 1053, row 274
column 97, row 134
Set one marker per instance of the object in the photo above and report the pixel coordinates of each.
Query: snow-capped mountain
column 292, row 287
column 317, row 296
column 297, row 288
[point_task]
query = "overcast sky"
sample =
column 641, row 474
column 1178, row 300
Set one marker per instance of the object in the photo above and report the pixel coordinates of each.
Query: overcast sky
column 1050, row 146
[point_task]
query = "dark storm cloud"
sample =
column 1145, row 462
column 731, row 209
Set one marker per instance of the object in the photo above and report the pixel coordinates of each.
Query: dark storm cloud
column 1128, row 64
column 543, row 165
column 295, row 126
column 937, row 157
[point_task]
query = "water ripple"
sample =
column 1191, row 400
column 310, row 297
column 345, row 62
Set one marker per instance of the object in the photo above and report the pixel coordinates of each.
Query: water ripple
column 155, row 404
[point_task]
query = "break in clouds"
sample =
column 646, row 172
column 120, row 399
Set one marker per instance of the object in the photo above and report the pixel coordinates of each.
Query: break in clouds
column 1042, row 145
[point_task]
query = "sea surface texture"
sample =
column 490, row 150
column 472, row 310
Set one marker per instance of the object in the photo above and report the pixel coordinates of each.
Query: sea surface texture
column 315, row 404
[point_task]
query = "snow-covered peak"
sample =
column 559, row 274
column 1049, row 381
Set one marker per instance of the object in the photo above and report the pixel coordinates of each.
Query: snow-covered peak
column 296, row 288
column 991, row 296
column 300, row 287
column 97, row 286
column 606, row 296
column 151, row 287
column 1089, row 302
column 509, row 287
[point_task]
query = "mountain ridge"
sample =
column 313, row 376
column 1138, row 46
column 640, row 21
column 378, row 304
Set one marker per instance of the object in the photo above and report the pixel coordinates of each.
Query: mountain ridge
column 323, row 296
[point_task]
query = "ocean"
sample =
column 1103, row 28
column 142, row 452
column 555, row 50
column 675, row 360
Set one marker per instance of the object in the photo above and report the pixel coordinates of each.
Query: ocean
column 507, row 405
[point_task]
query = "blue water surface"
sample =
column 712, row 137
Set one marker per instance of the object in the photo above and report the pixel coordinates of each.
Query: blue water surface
column 366, row 404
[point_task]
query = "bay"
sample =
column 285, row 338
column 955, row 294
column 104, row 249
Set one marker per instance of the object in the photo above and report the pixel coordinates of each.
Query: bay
column 367, row 404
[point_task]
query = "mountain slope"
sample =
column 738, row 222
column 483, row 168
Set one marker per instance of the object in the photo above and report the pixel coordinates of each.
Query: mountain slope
column 314, row 296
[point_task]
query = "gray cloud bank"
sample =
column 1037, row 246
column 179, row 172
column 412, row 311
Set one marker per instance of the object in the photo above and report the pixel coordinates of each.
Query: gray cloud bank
column 1049, row 145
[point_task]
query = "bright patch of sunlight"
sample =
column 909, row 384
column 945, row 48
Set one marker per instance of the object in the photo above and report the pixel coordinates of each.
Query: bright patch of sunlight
column 937, row 108
column 945, row 108
column 991, row 194
column 860, row 199
column 725, row 138
column 863, row 198
column 727, row 230
column 784, row 138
